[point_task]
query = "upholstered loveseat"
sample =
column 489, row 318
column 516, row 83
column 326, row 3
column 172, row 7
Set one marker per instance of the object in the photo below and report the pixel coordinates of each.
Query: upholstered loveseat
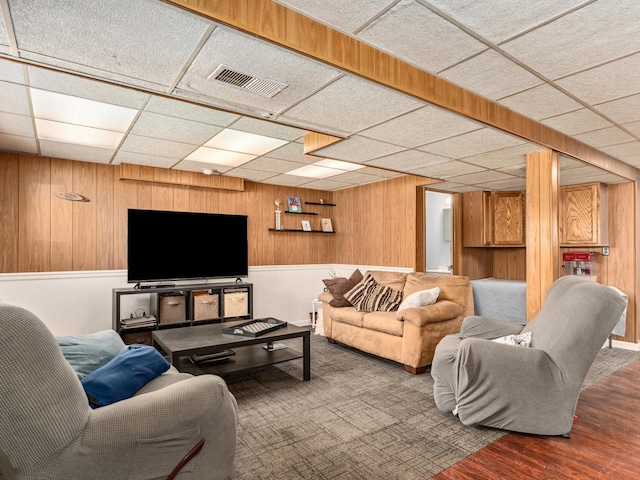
column 408, row 336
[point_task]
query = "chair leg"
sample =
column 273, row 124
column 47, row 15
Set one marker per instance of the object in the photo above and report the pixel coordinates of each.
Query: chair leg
column 415, row 370
column 192, row 453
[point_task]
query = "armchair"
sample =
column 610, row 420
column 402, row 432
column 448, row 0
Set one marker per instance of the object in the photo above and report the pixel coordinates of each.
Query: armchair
column 47, row 429
column 529, row 390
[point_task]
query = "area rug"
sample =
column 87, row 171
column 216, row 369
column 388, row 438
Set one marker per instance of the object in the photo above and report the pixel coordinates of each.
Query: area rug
column 360, row 417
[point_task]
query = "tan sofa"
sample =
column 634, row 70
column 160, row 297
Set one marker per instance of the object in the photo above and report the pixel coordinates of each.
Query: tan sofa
column 409, row 336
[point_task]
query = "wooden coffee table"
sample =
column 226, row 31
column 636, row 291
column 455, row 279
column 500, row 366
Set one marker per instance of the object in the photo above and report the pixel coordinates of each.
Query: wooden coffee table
column 182, row 343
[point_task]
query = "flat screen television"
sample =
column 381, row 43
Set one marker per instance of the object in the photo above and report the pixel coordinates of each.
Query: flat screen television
column 163, row 245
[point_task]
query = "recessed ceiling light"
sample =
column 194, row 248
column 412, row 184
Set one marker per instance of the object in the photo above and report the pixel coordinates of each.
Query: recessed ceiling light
column 340, row 165
column 76, row 134
column 243, row 142
column 315, row 171
column 219, row 157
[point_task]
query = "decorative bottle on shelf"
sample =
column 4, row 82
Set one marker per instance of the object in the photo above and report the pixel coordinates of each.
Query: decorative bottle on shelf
column 277, row 202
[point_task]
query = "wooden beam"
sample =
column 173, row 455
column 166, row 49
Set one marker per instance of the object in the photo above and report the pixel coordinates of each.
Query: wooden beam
column 186, row 179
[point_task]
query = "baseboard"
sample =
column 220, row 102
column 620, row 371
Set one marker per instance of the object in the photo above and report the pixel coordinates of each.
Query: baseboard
column 624, row 345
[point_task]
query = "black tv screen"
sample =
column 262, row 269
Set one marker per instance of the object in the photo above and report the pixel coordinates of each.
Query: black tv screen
column 163, row 245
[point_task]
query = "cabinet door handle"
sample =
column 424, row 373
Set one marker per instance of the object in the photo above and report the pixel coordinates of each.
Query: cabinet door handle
column 206, row 302
column 173, row 303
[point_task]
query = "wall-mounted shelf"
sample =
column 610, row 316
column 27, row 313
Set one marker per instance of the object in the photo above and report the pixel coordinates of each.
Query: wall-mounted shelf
column 318, row 203
column 301, row 213
column 297, row 230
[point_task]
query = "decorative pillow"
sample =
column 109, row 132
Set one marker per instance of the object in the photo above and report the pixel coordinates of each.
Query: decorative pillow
column 370, row 296
column 340, row 285
column 521, row 340
column 86, row 353
column 420, row 298
column 124, row 375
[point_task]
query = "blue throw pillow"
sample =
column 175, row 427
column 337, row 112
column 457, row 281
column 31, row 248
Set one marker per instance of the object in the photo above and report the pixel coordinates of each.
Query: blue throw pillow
column 124, row 375
column 86, row 353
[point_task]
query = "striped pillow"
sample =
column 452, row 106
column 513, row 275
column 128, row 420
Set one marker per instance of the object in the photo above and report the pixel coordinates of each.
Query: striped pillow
column 370, row 296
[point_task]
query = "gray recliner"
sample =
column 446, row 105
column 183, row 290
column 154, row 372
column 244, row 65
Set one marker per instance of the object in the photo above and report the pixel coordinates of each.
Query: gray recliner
column 47, row 429
column 527, row 389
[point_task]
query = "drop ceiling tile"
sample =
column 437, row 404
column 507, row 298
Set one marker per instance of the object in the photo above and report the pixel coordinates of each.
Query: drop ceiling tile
column 351, row 104
column 566, row 162
column 623, row 150
column 633, row 160
column 288, row 180
column 485, row 176
column 355, row 178
column 358, row 149
column 451, row 187
column 605, row 137
column 191, row 166
column 623, row 110
column 15, row 143
column 273, row 165
column 425, row 125
column 579, row 121
column 540, row 102
column 441, row 44
column 606, row 82
column 326, row 185
column 407, row 160
column 84, row 88
column 149, row 41
column 143, row 159
column 11, row 71
column 498, row 21
column 519, row 170
column 154, row 125
column 505, row 157
column 343, row 15
column 12, row 124
column 379, row 172
column 491, row 75
column 591, row 35
column 447, row 169
column 472, row 143
column 292, row 152
column 509, row 185
column 633, row 127
column 72, row 151
column 4, row 38
column 251, row 56
column 269, row 129
column 188, row 111
column 583, row 174
column 14, row 99
column 155, row 146
column 251, row 175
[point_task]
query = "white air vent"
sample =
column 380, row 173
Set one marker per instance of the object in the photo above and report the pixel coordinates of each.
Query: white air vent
column 246, row 81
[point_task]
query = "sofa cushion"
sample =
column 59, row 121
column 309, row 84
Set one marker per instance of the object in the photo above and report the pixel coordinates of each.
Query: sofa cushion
column 347, row 315
column 370, row 296
column 394, row 280
column 420, row 298
column 384, row 322
column 452, row 287
column 338, row 286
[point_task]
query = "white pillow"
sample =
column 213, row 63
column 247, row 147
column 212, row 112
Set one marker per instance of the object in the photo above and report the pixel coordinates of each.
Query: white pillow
column 420, row 298
column 522, row 340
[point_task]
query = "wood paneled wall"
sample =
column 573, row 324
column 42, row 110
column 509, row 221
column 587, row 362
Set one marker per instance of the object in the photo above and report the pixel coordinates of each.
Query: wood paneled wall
column 40, row 232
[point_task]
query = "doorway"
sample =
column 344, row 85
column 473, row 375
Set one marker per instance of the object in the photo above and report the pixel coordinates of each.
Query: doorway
column 438, row 232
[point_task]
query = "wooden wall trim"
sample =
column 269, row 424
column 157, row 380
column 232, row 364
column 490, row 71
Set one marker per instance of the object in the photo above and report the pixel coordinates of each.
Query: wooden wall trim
column 165, row 176
column 273, row 22
column 314, row 141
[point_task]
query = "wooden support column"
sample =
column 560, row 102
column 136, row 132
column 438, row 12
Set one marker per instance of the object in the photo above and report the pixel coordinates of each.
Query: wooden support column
column 543, row 248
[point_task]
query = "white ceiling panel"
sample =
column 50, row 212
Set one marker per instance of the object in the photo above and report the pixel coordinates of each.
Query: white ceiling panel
column 260, row 59
column 356, row 178
column 362, row 104
column 358, row 149
column 192, row 166
column 472, row 143
column 269, row 129
column 497, row 21
column 576, row 122
column 4, row 38
column 440, row 45
column 419, row 127
column 52, row 81
column 517, row 170
column 155, row 146
column 448, row 169
column 15, row 143
column 607, row 82
column 11, row 71
column 344, row 15
column 504, row 157
column 477, row 178
column 407, row 160
column 326, row 184
column 251, row 175
column 273, row 165
column 144, row 159
column 14, row 99
column 292, row 152
column 591, row 35
column 289, row 180
column 623, row 150
column 566, row 162
column 509, row 184
column 138, row 39
column 12, row 124
column 605, row 137
column 633, row 127
column 379, row 172
column 189, row 111
column 623, row 110
column 447, row 186
column 540, row 102
column 72, row 151
column 491, row 75
column 164, row 127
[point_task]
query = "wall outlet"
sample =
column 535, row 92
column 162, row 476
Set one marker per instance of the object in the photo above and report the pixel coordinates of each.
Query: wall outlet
column 605, row 251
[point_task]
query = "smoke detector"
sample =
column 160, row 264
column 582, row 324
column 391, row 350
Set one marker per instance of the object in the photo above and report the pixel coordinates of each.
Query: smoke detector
column 247, row 81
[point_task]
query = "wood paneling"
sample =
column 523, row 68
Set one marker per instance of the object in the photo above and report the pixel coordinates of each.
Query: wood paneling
column 85, row 228
column 313, row 141
column 61, row 216
column 9, row 208
column 509, row 263
column 105, row 203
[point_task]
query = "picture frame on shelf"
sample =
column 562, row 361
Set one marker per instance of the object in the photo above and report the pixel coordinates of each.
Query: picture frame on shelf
column 294, row 204
column 326, row 225
column 306, row 226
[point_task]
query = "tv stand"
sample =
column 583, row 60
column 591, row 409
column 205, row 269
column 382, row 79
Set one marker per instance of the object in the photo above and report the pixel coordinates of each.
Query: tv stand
column 197, row 304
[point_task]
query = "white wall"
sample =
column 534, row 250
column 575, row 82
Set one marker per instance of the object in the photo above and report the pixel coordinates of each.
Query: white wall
column 81, row 302
column 438, row 251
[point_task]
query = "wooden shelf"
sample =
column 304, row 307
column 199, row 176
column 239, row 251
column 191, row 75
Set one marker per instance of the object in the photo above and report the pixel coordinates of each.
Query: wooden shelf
column 297, row 230
column 301, row 213
column 318, row 203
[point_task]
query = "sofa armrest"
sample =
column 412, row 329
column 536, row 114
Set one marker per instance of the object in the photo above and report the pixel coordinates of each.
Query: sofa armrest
column 438, row 312
column 485, row 327
column 325, row 297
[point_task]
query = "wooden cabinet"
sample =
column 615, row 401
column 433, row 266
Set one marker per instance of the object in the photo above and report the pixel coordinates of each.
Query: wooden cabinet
column 583, row 215
column 493, row 219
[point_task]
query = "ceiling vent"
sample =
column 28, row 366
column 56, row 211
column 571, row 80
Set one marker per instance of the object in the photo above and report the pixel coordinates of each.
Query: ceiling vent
column 246, row 81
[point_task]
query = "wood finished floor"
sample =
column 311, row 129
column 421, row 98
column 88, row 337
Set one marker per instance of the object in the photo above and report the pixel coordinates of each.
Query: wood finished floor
column 604, row 443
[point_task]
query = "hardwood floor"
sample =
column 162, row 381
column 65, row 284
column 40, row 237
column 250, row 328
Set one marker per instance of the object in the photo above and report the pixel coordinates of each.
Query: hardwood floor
column 604, row 443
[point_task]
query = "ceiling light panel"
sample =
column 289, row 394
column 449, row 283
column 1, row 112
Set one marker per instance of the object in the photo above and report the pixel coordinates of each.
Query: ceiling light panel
column 243, row 142
column 141, row 40
column 219, row 157
column 348, row 166
column 80, row 111
column 315, row 171
column 78, row 134
column 442, row 43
